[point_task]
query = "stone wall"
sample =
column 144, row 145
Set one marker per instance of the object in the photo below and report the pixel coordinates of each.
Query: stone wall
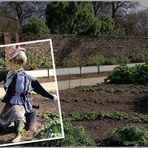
column 64, row 45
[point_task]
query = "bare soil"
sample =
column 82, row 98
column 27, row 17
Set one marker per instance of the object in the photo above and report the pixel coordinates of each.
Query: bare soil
column 133, row 99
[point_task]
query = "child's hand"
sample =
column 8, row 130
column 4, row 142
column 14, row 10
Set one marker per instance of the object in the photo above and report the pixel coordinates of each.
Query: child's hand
column 55, row 99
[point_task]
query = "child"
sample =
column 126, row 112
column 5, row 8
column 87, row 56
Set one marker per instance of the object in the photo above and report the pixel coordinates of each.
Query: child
column 18, row 86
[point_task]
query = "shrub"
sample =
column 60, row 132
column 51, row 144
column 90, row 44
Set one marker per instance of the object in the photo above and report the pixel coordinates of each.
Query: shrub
column 110, row 61
column 96, row 60
column 35, row 26
column 125, row 75
column 138, row 56
column 36, row 61
column 72, row 60
column 120, row 75
column 123, row 60
column 128, row 136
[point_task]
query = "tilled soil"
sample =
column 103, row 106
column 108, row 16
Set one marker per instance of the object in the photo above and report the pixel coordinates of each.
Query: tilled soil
column 45, row 105
column 130, row 99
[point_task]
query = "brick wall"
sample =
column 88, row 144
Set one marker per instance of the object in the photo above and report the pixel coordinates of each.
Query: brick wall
column 63, row 45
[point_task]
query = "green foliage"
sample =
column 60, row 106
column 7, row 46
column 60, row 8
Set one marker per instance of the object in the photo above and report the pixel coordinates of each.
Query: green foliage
column 2, row 64
column 96, row 89
column 76, row 18
column 138, row 56
column 110, row 61
column 123, row 59
column 51, row 129
column 121, row 74
column 35, row 26
column 36, row 61
column 107, row 24
column 72, row 60
column 92, row 115
column 69, row 17
column 140, row 74
column 96, row 60
column 74, row 135
column 128, row 136
column 125, row 75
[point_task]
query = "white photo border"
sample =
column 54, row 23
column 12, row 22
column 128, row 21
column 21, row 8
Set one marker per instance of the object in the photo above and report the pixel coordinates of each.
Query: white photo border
column 57, row 91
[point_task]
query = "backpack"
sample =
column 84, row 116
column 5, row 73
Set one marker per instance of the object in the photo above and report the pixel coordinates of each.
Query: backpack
column 21, row 84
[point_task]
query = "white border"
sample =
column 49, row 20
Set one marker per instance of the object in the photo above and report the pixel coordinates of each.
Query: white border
column 59, row 107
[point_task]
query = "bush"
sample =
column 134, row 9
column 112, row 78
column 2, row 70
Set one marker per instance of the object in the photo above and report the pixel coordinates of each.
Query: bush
column 110, row 61
column 96, row 60
column 121, row 74
column 35, row 26
column 125, row 75
column 128, row 136
column 137, row 57
column 72, row 60
column 36, row 61
column 140, row 74
column 123, row 60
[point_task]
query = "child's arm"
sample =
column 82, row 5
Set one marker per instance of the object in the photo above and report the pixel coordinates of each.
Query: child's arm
column 3, row 75
column 40, row 90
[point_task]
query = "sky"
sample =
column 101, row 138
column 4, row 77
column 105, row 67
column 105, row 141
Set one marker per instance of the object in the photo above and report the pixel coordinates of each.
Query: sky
column 144, row 3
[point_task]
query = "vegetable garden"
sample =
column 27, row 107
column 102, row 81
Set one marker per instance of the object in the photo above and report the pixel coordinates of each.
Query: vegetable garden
column 105, row 114
column 112, row 114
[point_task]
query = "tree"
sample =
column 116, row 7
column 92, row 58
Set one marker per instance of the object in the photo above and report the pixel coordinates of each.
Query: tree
column 135, row 23
column 70, row 17
column 107, row 24
column 114, row 8
column 20, row 11
column 35, row 26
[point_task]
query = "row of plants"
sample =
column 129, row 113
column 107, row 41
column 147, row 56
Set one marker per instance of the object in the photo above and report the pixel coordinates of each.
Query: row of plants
column 74, row 135
column 129, row 75
column 96, row 101
column 113, row 90
column 129, row 135
column 79, row 60
column 92, row 115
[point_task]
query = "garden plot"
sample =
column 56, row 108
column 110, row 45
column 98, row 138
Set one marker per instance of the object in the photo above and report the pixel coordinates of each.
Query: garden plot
column 100, row 108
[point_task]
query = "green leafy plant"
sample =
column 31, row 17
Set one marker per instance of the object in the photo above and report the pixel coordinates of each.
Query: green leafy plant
column 128, row 136
column 2, row 64
column 74, row 136
column 92, row 115
column 125, row 75
column 51, row 129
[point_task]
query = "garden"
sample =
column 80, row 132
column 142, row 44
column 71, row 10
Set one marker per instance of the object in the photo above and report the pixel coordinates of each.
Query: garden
column 95, row 33
column 106, row 114
column 112, row 114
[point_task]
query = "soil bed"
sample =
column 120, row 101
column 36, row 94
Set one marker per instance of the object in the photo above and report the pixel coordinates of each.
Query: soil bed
column 129, row 99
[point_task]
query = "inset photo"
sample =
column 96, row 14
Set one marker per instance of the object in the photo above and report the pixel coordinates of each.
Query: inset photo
column 30, row 107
